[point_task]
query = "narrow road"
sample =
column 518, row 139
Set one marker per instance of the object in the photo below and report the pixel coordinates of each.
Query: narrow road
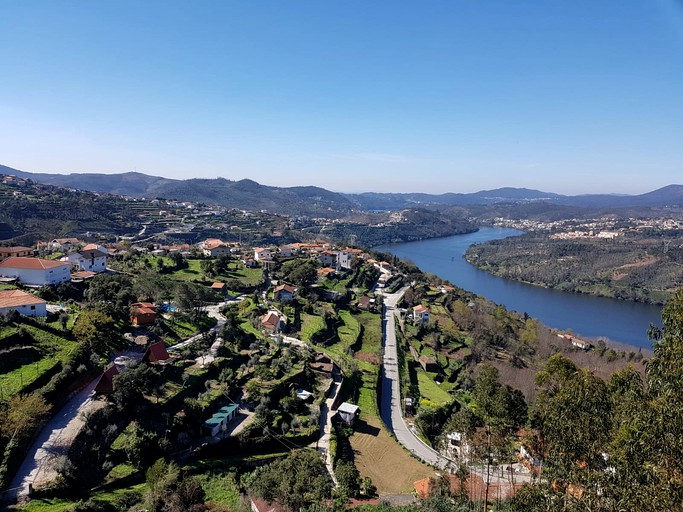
column 326, row 429
column 52, row 441
column 391, row 411
column 58, row 433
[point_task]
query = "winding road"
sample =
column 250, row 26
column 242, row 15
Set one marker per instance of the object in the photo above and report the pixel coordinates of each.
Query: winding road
column 391, row 411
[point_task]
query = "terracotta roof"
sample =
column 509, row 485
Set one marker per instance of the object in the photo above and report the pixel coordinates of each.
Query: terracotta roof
column 156, row 352
column 218, row 286
column 270, row 320
column 420, row 309
column 285, row 288
column 32, row 263
column 105, row 383
column 13, row 298
column 148, row 305
column 16, row 248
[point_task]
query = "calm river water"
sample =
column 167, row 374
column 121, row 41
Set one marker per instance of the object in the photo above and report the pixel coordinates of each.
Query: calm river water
column 588, row 316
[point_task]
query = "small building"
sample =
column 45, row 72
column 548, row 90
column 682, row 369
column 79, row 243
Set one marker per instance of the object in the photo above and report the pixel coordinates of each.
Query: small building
column 218, row 422
column 348, row 413
column 24, row 303
column 8, row 252
column 105, row 384
column 421, row 314
column 36, row 271
column 285, row 293
column 328, row 259
column 156, row 353
column 143, row 313
column 345, row 259
column 259, row 505
column 261, row 254
column 429, row 363
column 219, row 288
column 273, row 323
column 214, row 248
column 365, row 302
column 65, row 244
column 322, row 364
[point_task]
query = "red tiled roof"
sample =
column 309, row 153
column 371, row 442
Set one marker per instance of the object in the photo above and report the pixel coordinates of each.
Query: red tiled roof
column 32, row 263
column 156, row 352
column 105, row 384
column 14, row 298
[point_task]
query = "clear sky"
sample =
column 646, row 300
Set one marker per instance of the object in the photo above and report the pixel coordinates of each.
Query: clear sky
column 572, row 97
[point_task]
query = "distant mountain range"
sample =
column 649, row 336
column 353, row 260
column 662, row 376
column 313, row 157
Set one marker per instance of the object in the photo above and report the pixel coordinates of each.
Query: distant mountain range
column 248, row 194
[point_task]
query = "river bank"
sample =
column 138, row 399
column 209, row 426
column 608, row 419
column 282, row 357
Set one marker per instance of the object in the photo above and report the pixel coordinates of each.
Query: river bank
column 636, row 268
column 587, row 316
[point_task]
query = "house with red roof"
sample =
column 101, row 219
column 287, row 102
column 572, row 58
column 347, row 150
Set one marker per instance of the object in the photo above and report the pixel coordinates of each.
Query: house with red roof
column 156, row 353
column 36, row 271
column 24, row 303
column 105, row 384
column 143, row 313
column 421, row 314
column 284, row 292
column 8, row 252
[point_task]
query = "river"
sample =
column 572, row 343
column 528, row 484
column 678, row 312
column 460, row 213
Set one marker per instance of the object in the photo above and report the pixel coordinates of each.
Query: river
column 593, row 317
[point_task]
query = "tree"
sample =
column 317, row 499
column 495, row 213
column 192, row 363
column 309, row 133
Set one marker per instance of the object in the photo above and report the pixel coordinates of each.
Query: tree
column 296, row 481
column 96, row 330
column 348, row 477
column 22, row 415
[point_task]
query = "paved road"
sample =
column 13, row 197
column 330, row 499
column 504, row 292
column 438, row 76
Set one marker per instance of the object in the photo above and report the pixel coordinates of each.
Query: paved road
column 57, row 434
column 212, row 311
column 326, row 414
column 391, row 411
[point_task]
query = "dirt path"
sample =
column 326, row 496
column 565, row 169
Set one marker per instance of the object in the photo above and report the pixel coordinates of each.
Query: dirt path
column 55, row 438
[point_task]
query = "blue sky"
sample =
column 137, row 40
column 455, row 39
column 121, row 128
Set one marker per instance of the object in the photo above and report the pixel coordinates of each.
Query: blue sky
column 429, row 96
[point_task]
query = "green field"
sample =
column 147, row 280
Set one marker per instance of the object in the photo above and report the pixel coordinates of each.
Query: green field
column 53, row 348
column 310, row 326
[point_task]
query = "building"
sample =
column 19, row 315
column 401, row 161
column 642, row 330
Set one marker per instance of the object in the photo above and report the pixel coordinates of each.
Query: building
column 143, row 313
column 328, row 259
column 421, row 314
column 273, row 323
column 261, row 254
column 92, row 260
column 24, row 303
column 214, row 248
column 219, row 288
column 428, row 363
column 156, row 353
column 105, row 384
column 65, row 244
column 348, row 413
column 8, row 252
column 36, row 271
column 345, row 259
column 220, row 419
column 285, row 293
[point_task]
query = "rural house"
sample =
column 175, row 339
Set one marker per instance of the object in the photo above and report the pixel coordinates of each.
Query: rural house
column 36, row 271
column 348, row 413
column 24, row 303
column 421, row 314
column 285, row 293
column 8, row 252
column 156, row 353
column 92, row 260
column 143, row 313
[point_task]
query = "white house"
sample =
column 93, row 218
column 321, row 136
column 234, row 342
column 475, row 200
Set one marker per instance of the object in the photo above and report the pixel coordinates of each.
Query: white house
column 215, row 248
column 36, row 271
column 421, row 314
column 287, row 251
column 345, row 259
column 348, row 412
column 25, row 303
column 94, row 261
column 328, row 259
column 261, row 254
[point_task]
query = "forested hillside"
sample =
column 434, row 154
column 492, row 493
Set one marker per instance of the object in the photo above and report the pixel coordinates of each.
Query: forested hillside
column 645, row 267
